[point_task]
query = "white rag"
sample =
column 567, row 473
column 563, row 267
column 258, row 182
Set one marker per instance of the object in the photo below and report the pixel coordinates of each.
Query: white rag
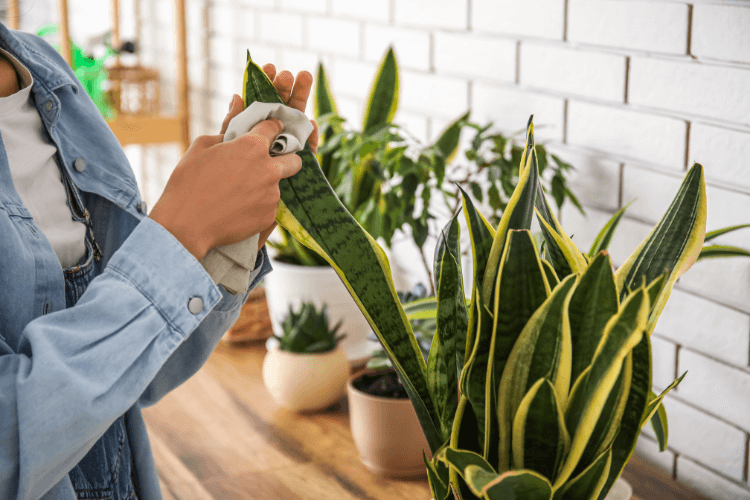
column 230, row 265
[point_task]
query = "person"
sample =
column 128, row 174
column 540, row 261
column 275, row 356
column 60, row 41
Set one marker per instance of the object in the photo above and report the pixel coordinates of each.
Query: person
column 103, row 308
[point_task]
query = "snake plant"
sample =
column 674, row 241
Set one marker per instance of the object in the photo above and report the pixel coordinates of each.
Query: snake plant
column 539, row 388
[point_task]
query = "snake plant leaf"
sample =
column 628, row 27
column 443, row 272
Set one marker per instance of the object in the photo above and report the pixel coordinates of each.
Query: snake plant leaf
column 590, row 392
column 603, row 239
column 564, row 259
column 674, row 244
column 718, row 232
column 438, row 487
column 517, row 214
column 542, row 350
column 481, row 234
column 608, row 423
column 311, row 212
column 447, row 143
column 593, row 303
column 549, row 271
column 722, row 251
column 521, row 288
column 661, row 429
column 447, row 344
column 655, row 401
column 588, row 484
column 383, row 99
column 421, row 309
column 576, row 259
column 325, row 104
column 324, row 101
column 519, row 485
column 540, row 440
column 448, row 240
column 630, row 425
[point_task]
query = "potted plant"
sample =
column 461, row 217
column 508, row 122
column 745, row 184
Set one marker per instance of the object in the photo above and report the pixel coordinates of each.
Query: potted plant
column 305, row 369
column 379, row 182
column 511, row 402
column 385, row 428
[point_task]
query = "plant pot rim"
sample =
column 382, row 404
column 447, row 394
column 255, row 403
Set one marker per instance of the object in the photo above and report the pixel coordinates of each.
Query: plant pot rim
column 299, row 268
column 381, row 399
column 306, row 355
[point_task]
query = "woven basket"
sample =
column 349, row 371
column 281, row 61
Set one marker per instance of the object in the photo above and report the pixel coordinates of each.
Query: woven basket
column 254, row 323
column 133, row 90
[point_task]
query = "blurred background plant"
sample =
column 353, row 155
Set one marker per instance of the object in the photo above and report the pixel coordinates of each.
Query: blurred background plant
column 308, row 332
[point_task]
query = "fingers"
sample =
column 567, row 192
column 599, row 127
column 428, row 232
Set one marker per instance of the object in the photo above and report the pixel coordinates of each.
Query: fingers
column 283, row 84
column 235, row 108
column 314, row 138
column 270, row 71
column 288, row 164
column 301, row 91
column 265, row 131
column 206, row 141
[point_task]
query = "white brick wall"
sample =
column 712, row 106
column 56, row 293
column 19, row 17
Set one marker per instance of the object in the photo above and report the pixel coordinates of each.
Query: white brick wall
column 631, row 92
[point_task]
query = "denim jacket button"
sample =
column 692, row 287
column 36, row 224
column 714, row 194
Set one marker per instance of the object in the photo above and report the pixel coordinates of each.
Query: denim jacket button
column 195, row 305
column 80, row 165
column 142, row 207
column 48, row 106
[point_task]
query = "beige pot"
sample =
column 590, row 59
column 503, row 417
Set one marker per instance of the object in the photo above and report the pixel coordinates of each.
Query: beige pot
column 387, row 433
column 305, row 382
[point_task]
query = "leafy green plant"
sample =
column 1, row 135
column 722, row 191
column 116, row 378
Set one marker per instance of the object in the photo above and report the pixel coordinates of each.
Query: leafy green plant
column 380, row 173
column 554, row 351
column 492, row 172
column 307, row 331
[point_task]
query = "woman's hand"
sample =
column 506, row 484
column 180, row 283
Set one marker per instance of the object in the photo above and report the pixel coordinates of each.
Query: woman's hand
column 295, row 94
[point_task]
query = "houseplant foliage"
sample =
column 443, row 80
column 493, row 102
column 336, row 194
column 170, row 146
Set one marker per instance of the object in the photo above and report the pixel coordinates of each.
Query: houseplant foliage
column 307, row 331
column 552, row 357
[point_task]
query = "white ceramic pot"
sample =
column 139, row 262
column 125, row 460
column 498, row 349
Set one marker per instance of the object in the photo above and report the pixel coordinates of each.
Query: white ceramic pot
column 290, row 285
column 621, row 490
column 305, row 382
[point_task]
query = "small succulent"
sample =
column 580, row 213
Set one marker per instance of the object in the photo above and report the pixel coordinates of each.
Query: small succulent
column 307, row 331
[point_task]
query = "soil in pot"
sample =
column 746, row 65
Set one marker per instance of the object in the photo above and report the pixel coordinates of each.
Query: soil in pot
column 384, row 385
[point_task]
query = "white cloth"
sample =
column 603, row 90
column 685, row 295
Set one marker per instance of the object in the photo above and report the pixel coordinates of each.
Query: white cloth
column 35, row 173
column 230, row 265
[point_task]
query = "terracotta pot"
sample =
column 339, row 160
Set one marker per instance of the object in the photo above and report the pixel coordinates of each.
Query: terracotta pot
column 290, row 285
column 305, row 382
column 387, row 433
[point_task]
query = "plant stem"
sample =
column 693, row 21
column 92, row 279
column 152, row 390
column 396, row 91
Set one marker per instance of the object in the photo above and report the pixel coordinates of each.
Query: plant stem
column 429, row 272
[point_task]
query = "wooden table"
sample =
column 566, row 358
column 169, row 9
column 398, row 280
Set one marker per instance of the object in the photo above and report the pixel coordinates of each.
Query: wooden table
column 221, row 436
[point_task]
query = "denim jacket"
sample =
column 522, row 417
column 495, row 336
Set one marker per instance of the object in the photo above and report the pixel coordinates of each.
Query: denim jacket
column 67, row 374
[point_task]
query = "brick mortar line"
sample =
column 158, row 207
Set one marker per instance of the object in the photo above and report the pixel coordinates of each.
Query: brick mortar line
column 676, row 395
column 747, row 458
column 716, row 472
column 693, row 350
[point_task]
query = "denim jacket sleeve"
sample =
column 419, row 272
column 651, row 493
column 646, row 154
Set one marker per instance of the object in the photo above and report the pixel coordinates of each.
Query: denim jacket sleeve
column 131, row 337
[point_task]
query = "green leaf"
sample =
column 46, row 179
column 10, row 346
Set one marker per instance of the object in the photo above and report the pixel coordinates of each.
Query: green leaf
column 722, row 251
column 603, row 239
column 383, row 100
column 630, row 424
column 421, row 309
column 447, row 143
column 713, row 234
column 592, row 305
column 550, row 273
column 674, row 244
column 324, row 101
column 438, row 487
column 590, row 392
column 311, row 212
column 588, row 484
column 325, row 105
column 519, row 485
column 517, row 214
column 448, row 343
column 520, row 290
column 542, row 350
column 540, row 440
column 660, row 426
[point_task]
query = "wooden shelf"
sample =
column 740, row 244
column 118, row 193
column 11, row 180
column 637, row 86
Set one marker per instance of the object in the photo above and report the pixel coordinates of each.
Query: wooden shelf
column 220, row 435
column 148, row 129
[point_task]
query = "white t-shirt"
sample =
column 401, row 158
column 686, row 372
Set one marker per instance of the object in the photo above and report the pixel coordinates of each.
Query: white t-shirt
column 35, row 173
